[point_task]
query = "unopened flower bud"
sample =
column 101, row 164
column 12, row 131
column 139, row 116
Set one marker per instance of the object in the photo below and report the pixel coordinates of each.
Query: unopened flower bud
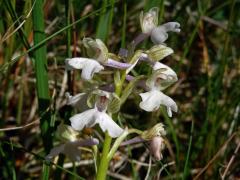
column 156, row 147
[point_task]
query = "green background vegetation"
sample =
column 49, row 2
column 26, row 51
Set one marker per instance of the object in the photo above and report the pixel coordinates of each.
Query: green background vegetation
column 202, row 137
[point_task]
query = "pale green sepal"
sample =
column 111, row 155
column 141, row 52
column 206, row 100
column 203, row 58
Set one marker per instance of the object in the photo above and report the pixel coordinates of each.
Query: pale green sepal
column 158, row 52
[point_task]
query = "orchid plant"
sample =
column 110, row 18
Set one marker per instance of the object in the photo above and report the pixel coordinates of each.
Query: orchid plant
column 100, row 105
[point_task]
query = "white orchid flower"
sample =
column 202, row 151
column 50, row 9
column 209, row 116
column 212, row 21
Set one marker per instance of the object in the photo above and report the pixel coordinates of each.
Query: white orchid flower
column 152, row 100
column 98, row 50
column 156, row 147
column 71, row 143
column 162, row 77
column 149, row 25
column 88, row 66
column 97, row 115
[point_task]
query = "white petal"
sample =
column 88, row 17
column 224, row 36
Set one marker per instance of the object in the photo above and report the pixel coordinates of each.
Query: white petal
column 107, row 124
column 169, row 112
column 55, row 151
column 158, row 35
column 169, row 103
column 153, row 99
column 75, row 63
column 90, row 67
column 171, row 26
column 150, row 101
column 87, row 118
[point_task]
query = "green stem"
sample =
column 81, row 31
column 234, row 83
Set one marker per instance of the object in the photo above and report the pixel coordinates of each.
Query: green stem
column 117, row 144
column 103, row 166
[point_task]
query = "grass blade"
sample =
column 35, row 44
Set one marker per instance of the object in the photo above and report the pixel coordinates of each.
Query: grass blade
column 42, row 75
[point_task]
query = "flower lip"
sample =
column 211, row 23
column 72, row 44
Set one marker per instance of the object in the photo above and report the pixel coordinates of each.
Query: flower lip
column 160, row 34
column 152, row 100
column 93, row 116
column 88, row 66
